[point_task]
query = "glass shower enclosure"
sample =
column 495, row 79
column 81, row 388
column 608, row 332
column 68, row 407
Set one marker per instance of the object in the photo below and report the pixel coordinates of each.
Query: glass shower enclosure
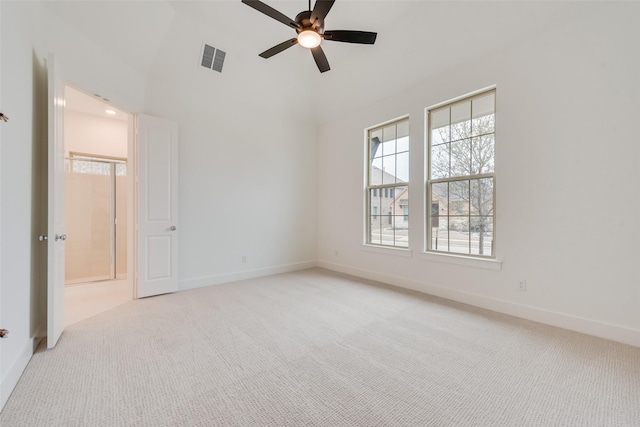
column 95, row 218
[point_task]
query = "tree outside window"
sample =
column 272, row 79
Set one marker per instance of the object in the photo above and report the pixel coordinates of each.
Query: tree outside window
column 461, row 176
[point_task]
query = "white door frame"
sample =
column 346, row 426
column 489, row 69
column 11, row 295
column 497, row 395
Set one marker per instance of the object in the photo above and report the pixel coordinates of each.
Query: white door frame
column 132, row 207
column 131, row 189
column 131, row 232
column 132, row 171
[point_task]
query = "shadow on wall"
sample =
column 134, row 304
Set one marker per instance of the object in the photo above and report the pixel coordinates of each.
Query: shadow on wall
column 39, row 211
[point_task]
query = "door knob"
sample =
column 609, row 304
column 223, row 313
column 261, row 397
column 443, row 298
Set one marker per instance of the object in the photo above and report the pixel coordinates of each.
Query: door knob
column 61, row 237
column 172, row 228
column 42, row 238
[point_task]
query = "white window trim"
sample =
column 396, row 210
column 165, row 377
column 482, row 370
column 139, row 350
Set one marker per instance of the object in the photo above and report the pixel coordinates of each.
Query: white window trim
column 366, row 245
column 489, row 262
column 462, row 260
column 387, row 250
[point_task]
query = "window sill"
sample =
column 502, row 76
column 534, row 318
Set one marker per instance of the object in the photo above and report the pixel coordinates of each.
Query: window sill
column 484, row 263
column 388, row 250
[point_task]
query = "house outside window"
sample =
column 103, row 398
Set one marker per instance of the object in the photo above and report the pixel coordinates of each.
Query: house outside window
column 461, row 177
column 387, row 184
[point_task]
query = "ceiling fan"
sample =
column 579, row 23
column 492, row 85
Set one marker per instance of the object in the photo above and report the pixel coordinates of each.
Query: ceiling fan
column 309, row 25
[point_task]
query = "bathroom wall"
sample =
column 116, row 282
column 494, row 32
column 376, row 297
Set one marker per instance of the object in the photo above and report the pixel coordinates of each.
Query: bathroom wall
column 88, row 198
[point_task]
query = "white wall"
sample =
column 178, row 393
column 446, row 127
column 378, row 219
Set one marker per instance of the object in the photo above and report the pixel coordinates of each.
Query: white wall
column 23, row 88
column 246, row 157
column 28, row 33
column 89, row 134
column 87, row 248
column 247, row 165
column 567, row 180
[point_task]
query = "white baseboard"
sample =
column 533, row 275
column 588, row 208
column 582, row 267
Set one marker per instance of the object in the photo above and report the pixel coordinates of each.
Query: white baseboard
column 244, row 275
column 566, row 321
column 8, row 383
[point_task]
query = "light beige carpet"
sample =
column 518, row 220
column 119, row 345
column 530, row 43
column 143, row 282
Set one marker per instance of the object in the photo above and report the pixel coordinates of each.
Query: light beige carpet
column 314, row 348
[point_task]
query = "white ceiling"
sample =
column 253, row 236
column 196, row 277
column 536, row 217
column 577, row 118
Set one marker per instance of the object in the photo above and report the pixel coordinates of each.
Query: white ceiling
column 416, row 39
column 94, row 105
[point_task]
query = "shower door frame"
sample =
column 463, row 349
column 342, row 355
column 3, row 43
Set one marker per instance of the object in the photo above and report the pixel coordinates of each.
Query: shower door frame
column 112, row 161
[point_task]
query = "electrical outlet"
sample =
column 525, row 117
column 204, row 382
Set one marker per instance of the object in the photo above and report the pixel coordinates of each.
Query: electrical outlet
column 244, row 259
column 335, row 253
column 522, row 285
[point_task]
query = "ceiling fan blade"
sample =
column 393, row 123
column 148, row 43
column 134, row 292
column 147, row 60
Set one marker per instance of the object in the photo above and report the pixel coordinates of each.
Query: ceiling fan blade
column 271, row 12
column 362, row 37
column 279, row 48
column 320, row 10
column 321, row 59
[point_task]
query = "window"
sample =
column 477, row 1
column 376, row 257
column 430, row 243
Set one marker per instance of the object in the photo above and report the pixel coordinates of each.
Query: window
column 387, row 192
column 461, row 183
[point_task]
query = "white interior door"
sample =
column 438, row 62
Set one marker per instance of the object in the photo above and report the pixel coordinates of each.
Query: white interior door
column 157, row 206
column 55, row 244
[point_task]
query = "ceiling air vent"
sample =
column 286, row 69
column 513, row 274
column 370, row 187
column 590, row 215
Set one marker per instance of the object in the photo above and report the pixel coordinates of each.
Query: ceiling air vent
column 212, row 58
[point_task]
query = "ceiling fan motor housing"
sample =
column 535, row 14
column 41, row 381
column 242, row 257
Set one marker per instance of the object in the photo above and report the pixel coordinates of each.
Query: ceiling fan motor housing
column 304, row 20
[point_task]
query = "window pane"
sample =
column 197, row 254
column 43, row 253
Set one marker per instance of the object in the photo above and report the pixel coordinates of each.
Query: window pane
column 459, row 234
column 389, row 147
column 389, row 170
column 461, row 120
column 439, row 126
column 440, row 197
column 440, row 161
column 90, row 167
column 387, row 236
column 461, row 217
column 481, row 235
column 402, row 129
column 482, row 160
column 483, row 114
column 459, row 198
column 386, row 202
column 375, row 139
column 374, row 203
column 481, row 197
column 459, row 194
column 402, row 165
column 374, row 230
column 401, row 198
column 375, row 172
column 400, row 226
column 434, row 218
column 121, row 169
column 403, row 144
column 460, row 157
column 440, row 235
column 389, row 140
column 388, row 165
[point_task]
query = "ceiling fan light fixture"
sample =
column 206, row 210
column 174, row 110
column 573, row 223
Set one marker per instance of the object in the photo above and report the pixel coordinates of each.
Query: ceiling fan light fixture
column 309, row 39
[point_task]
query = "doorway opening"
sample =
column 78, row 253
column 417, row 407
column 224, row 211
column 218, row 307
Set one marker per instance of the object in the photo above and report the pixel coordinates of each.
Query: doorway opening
column 96, row 140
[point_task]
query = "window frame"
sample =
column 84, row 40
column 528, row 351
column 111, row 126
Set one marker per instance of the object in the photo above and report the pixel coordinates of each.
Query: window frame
column 429, row 181
column 381, row 188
